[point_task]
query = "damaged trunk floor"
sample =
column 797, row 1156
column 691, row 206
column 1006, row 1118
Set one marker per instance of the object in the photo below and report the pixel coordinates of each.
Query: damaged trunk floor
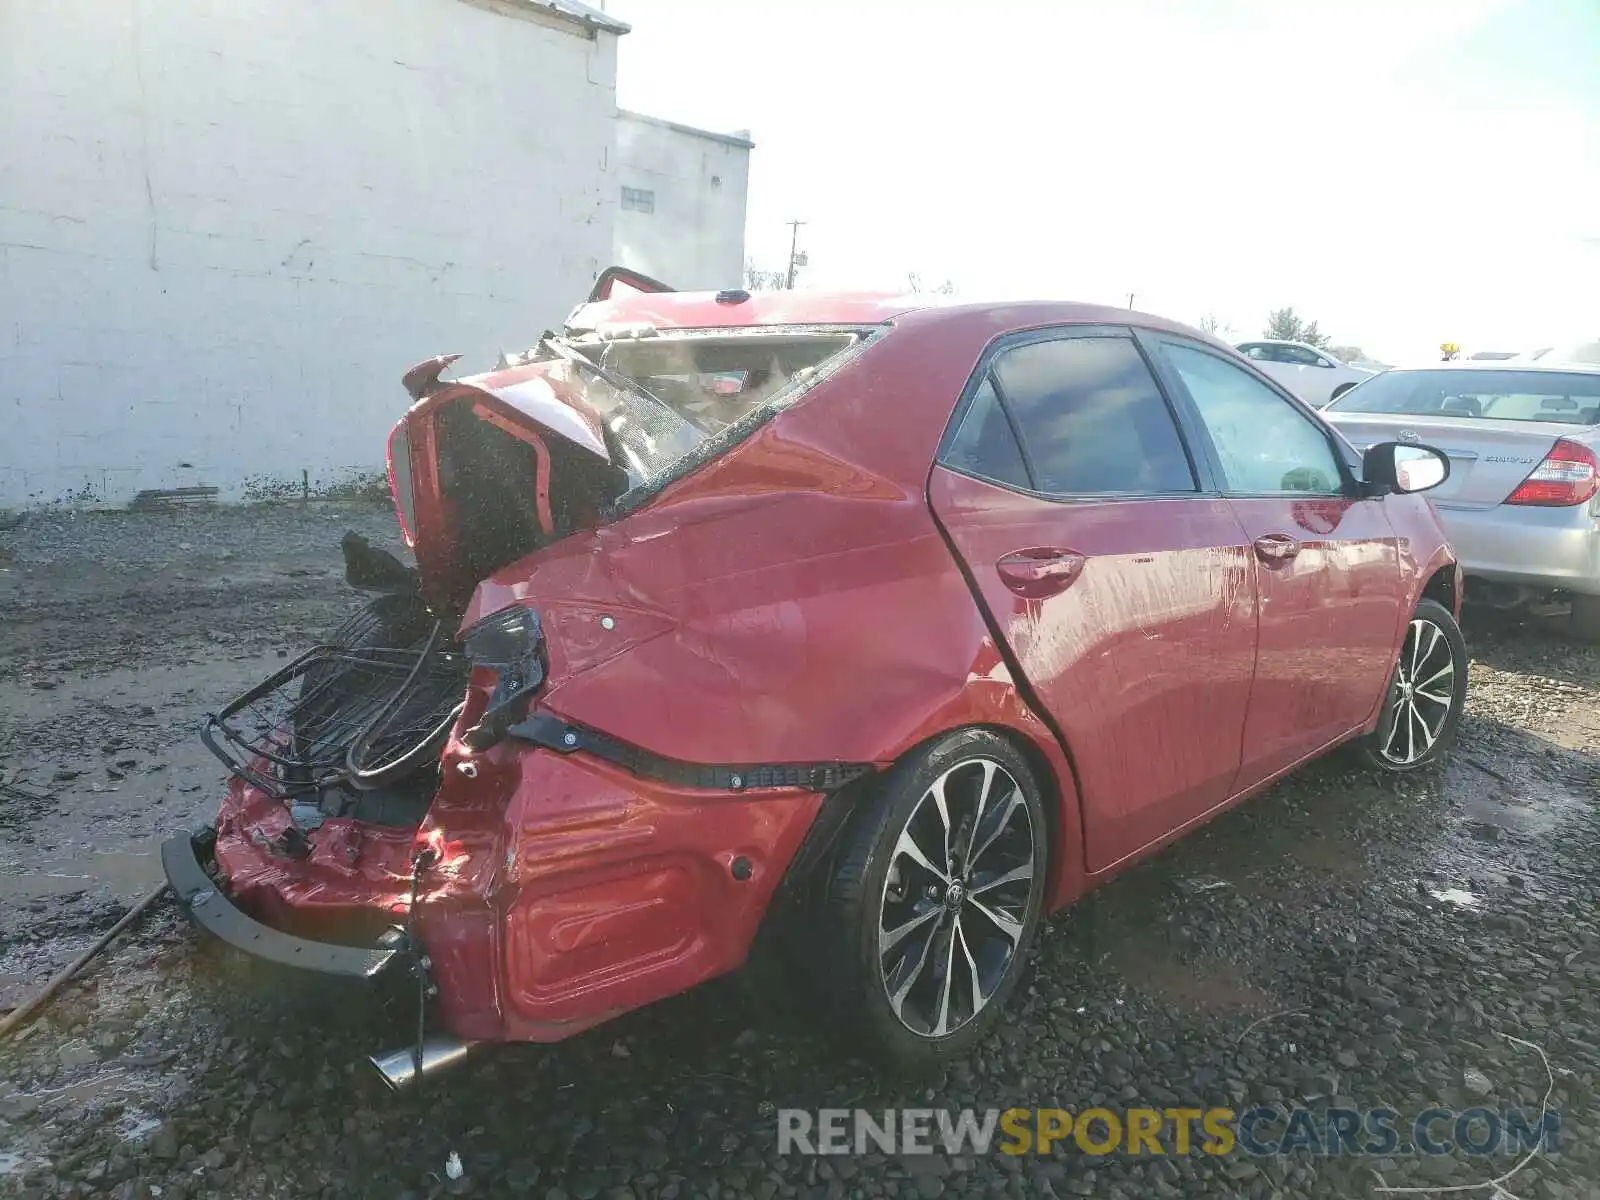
column 1338, row 937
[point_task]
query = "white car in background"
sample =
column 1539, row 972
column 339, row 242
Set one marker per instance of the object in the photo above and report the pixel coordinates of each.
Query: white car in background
column 1314, row 375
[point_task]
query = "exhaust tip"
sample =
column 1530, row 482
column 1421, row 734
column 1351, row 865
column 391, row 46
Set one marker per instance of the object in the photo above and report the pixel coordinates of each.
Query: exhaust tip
column 399, row 1068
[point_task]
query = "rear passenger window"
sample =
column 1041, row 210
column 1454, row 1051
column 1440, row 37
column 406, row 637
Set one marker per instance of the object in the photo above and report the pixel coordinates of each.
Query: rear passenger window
column 1091, row 418
column 984, row 445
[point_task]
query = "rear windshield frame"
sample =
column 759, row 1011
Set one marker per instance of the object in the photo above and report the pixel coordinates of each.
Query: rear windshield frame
column 732, row 434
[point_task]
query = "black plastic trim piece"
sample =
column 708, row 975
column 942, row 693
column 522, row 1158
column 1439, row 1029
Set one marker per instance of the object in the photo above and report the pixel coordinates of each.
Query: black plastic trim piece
column 802, row 873
column 518, row 661
column 213, row 912
column 551, row 732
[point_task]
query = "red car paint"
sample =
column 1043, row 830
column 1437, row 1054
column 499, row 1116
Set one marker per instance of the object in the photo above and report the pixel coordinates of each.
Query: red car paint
column 823, row 592
column 1173, row 686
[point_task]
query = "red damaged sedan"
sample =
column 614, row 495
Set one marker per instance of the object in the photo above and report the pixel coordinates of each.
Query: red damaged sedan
column 896, row 627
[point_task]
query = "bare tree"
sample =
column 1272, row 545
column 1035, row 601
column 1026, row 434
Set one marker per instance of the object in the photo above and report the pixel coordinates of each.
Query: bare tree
column 914, row 282
column 1216, row 327
column 758, row 280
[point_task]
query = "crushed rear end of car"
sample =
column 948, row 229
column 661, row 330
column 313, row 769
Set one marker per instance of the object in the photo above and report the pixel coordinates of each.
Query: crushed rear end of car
column 404, row 804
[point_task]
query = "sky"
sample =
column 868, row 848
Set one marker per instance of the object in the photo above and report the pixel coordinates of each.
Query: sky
column 1405, row 172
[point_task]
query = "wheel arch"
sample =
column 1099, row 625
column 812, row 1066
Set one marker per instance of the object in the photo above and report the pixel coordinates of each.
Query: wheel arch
column 1440, row 580
column 1014, row 719
column 1444, row 586
column 1371, row 746
column 1429, row 565
column 1054, row 799
column 1052, row 770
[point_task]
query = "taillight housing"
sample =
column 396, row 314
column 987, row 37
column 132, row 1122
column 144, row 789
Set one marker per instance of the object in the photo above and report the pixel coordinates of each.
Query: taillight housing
column 399, row 456
column 1569, row 474
column 510, row 643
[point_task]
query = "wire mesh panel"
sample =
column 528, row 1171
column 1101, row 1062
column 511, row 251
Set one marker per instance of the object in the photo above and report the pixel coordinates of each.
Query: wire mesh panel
column 409, row 731
column 350, row 713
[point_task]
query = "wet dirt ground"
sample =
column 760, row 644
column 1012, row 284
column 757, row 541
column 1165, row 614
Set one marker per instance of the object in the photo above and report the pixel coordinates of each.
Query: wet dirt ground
column 1341, row 940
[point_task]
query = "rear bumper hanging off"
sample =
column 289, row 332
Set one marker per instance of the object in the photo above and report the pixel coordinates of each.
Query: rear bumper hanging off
column 182, row 858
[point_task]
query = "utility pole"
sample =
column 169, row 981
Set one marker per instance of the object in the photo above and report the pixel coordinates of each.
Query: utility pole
column 1130, row 299
column 797, row 257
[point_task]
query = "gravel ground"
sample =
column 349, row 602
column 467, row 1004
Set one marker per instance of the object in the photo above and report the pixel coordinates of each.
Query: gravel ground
column 1339, row 940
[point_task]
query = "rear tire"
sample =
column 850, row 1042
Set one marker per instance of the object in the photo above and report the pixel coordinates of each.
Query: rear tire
column 392, row 619
column 1585, row 619
column 935, row 898
column 1422, row 708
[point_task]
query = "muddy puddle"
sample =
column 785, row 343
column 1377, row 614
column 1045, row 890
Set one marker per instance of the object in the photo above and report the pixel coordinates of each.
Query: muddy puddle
column 122, row 873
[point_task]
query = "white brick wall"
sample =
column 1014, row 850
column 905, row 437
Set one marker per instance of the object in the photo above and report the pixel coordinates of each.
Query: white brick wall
column 694, row 238
column 228, row 226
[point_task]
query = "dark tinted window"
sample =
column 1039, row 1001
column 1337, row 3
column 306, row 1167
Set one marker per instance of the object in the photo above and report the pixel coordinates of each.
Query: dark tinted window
column 1092, row 419
column 1298, row 356
column 985, row 445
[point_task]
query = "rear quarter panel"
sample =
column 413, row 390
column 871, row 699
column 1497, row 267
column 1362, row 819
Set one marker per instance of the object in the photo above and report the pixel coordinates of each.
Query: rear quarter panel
column 791, row 602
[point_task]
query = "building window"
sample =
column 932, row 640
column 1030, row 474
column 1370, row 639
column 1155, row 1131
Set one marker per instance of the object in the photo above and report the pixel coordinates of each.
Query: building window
column 638, row 200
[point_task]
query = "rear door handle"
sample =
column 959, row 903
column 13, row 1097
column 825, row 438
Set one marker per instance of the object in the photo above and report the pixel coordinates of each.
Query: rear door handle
column 1274, row 548
column 1039, row 572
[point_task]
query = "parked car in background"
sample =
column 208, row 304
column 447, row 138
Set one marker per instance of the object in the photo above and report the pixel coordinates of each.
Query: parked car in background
column 1314, row 375
column 1522, row 504
column 880, row 629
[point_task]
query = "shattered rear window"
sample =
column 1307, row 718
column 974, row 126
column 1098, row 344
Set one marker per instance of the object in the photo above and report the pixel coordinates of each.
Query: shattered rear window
column 705, row 393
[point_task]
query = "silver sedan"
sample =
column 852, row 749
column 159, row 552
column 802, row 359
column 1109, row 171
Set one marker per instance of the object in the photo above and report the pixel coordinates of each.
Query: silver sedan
column 1522, row 504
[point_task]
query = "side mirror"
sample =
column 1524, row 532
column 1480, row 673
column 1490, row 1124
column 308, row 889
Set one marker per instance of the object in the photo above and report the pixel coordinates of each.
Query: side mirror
column 1399, row 467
